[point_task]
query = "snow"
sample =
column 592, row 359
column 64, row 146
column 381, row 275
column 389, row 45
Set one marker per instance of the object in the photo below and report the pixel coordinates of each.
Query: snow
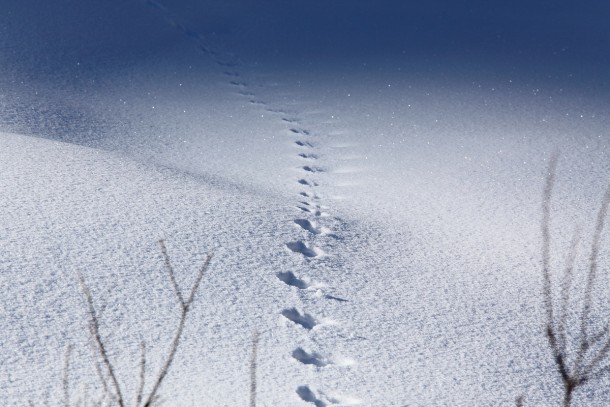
column 374, row 216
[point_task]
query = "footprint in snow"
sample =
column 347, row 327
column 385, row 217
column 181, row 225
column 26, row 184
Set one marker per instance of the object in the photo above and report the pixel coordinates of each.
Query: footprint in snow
column 304, row 249
column 303, row 181
column 278, row 111
column 310, row 168
column 309, row 156
column 304, row 209
column 313, row 205
column 226, row 64
column 300, row 131
column 305, row 320
column 312, row 358
column 307, row 195
column 290, row 279
column 311, row 227
column 315, row 212
column 322, row 400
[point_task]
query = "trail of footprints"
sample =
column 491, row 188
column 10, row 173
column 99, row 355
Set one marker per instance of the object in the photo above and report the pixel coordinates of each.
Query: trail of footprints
column 310, row 223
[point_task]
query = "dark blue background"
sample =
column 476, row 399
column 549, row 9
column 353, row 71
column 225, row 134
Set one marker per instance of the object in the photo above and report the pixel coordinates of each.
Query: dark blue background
column 70, row 44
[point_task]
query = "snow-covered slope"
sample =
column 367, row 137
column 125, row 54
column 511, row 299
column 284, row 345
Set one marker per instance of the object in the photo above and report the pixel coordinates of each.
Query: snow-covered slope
column 373, row 211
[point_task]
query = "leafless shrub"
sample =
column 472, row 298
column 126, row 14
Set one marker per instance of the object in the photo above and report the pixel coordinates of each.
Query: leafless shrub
column 105, row 368
column 590, row 360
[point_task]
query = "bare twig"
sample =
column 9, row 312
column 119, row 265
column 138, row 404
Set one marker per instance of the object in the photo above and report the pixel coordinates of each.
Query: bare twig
column 566, row 287
column 98, row 370
column 253, row 368
column 95, row 333
column 546, row 243
column 601, row 355
column 142, row 373
column 170, row 271
column 184, row 310
column 599, row 228
column 66, row 379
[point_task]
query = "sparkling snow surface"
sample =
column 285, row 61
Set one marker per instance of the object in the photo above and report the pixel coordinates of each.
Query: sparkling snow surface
column 375, row 218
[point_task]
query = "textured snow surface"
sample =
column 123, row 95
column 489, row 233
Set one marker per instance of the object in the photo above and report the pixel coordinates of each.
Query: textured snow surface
column 375, row 217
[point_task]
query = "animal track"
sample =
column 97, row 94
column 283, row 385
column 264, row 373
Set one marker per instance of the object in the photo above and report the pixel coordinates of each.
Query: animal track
column 312, row 358
column 226, row 64
column 306, row 394
column 305, row 194
column 316, row 212
column 304, row 249
column 300, row 131
column 305, row 320
column 304, row 209
column 279, row 111
column 309, row 168
column 289, row 278
column 303, row 181
column 311, row 227
column 313, row 205
column 304, row 144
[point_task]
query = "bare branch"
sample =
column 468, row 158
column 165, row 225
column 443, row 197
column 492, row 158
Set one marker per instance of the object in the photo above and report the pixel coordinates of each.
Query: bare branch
column 99, row 372
column 184, row 308
column 599, row 228
column 66, row 380
column 584, row 327
column 169, row 360
column 198, row 280
column 95, row 332
column 172, row 275
column 557, row 336
column 253, row 367
column 546, row 243
column 142, row 373
column 558, row 356
column 566, row 287
column 601, row 355
column 603, row 334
